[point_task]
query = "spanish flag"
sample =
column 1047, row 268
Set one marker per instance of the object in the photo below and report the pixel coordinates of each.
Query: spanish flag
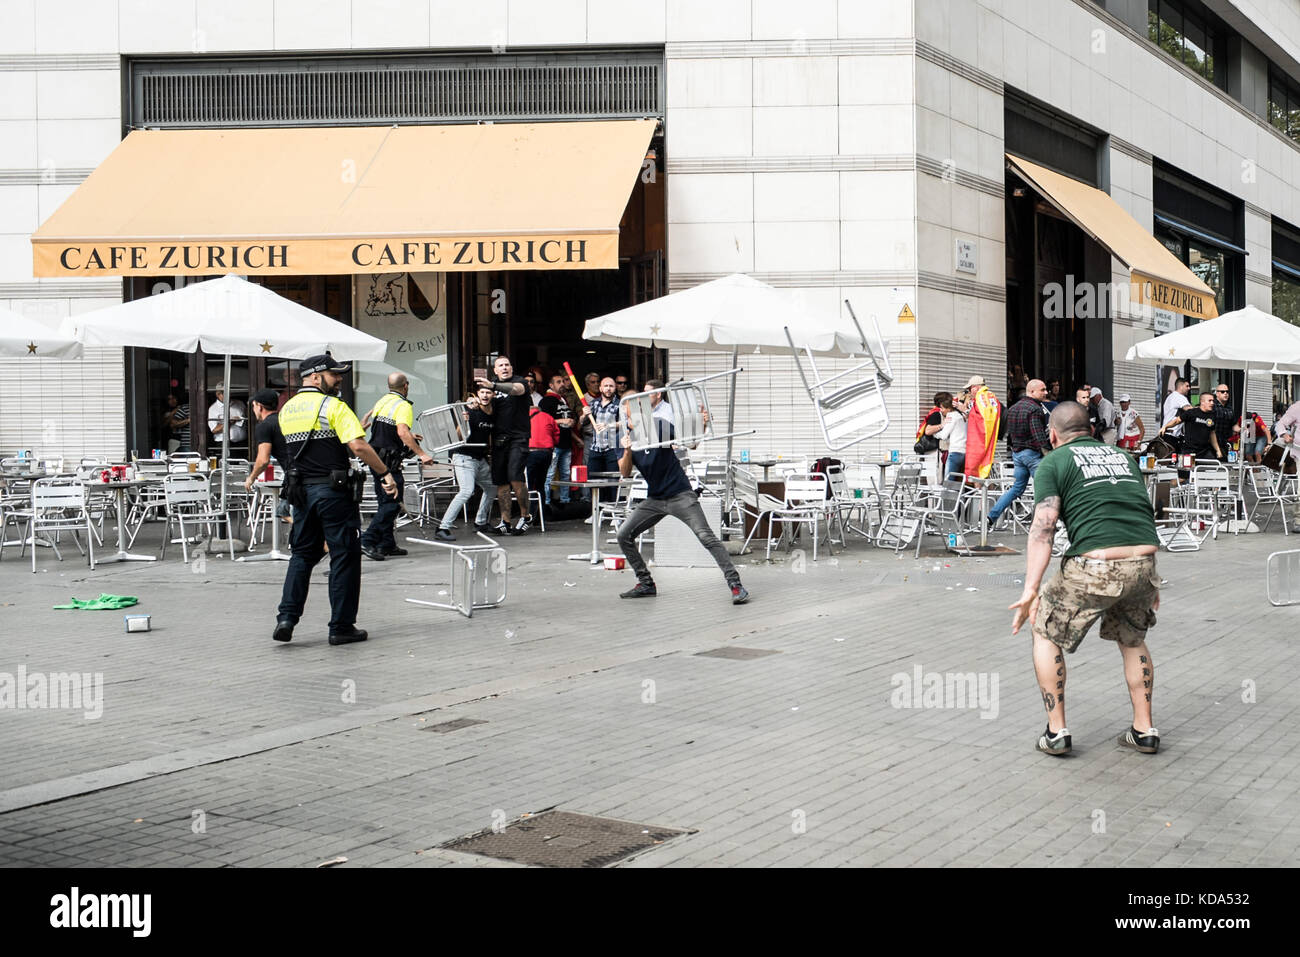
column 982, row 433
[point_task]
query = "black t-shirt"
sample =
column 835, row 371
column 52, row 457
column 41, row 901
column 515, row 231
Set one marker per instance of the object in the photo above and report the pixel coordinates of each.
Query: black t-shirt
column 480, row 434
column 664, row 476
column 557, row 408
column 511, row 412
column 268, row 430
column 1198, row 426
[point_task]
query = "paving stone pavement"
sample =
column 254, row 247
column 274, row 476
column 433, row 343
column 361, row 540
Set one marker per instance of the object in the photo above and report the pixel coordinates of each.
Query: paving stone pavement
column 217, row 746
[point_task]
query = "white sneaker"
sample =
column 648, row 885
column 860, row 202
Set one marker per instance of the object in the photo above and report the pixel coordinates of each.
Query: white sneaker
column 587, row 520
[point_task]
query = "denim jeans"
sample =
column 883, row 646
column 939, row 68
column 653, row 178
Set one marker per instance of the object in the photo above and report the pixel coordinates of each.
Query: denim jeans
column 331, row 518
column 956, row 466
column 379, row 534
column 1026, row 465
column 605, row 461
column 471, row 473
column 686, row 507
column 559, row 466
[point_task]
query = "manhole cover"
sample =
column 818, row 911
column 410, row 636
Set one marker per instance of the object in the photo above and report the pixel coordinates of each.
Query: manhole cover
column 563, row 839
column 456, row 725
column 740, row 654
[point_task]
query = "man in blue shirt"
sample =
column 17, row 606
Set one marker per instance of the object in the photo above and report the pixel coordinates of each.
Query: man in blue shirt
column 668, row 493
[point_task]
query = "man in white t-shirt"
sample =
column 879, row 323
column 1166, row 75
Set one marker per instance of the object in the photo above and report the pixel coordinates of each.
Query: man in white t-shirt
column 1175, row 402
column 238, row 422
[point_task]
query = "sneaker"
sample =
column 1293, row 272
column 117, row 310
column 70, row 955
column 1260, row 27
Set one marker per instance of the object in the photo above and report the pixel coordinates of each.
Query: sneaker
column 483, row 526
column 738, row 595
column 640, row 591
column 283, row 630
column 1148, row 743
column 1057, row 744
column 587, row 520
column 444, row 535
column 374, row 554
column 346, row 636
column 521, row 527
column 503, row 529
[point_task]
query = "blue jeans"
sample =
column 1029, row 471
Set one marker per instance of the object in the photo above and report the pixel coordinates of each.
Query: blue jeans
column 559, row 465
column 331, row 518
column 471, row 473
column 1026, row 465
column 606, row 461
column 956, row 466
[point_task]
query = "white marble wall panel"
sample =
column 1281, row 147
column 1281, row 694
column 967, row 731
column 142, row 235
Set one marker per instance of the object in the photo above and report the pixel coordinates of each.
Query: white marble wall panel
column 384, row 24
column 313, row 24
column 235, row 25
column 78, row 94
column 796, row 247
column 543, row 22
column 715, row 20
column 484, row 23
column 156, row 26
column 875, row 79
column 710, row 83
column 728, row 131
column 627, row 21
column 796, row 131
column 796, row 197
column 18, row 95
column 76, row 26
column 879, row 18
column 782, row 20
column 711, row 247
column 711, row 197
column 796, row 81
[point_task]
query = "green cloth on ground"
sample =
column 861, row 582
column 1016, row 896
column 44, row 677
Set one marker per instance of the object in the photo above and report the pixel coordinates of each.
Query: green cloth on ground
column 103, row 603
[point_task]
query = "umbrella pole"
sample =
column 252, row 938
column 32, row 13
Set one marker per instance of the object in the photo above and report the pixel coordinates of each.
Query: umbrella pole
column 731, row 427
column 225, row 432
column 1241, row 446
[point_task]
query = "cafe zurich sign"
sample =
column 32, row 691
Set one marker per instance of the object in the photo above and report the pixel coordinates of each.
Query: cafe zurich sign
column 326, row 257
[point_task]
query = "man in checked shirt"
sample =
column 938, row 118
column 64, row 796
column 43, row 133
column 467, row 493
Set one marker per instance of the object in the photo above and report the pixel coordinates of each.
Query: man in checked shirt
column 1028, row 441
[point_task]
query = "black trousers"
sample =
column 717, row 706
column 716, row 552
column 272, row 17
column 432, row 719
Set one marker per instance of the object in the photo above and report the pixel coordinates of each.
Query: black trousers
column 332, row 518
column 379, row 534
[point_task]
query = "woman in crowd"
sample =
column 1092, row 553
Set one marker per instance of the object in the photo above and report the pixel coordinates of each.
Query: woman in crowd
column 954, row 433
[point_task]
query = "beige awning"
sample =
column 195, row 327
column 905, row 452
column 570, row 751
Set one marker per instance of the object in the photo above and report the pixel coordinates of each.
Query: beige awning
column 340, row 200
column 1158, row 279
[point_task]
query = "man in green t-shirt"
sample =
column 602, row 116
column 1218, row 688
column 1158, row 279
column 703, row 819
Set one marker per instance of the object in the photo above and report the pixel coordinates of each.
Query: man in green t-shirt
column 1108, row 572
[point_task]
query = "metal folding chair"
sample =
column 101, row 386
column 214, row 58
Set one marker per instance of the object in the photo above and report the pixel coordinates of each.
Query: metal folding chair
column 478, row 575
column 1267, row 487
column 58, row 505
column 850, row 413
column 188, row 499
column 1282, row 572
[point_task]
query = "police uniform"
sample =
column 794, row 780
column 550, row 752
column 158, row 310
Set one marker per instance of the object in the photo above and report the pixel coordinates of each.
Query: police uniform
column 392, row 410
column 316, row 429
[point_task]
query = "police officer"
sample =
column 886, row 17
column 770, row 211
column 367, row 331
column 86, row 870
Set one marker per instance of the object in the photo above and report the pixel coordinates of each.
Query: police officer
column 319, row 429
column 390, row 436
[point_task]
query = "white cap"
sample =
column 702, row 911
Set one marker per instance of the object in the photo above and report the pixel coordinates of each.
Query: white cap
column 1125, row 398
column 1095, row 391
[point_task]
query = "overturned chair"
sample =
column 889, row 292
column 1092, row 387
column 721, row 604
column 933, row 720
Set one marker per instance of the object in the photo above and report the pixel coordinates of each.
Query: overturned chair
column 478, row 575
column 848, row 413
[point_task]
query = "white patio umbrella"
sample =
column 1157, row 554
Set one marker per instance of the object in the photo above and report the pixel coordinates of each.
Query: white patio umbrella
column 22, row 336
column 229, row 316
column 1248, row 339
column 736, row 312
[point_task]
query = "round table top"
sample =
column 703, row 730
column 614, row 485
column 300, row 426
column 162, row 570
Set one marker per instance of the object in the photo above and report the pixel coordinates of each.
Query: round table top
column 269, row 483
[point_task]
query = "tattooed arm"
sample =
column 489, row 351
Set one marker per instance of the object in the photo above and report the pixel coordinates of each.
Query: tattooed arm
column 1038, row 555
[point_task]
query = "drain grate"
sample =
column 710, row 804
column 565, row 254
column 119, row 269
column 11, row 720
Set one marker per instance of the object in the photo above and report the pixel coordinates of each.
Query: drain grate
column 456, row 725
column 564, row 839
column 739, row 654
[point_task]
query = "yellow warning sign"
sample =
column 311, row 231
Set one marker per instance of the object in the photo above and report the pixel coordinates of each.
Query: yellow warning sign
column 906, row 315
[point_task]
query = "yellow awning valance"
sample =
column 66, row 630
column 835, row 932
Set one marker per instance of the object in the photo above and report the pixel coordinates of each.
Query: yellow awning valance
column 340, row 200
column 1158, row 279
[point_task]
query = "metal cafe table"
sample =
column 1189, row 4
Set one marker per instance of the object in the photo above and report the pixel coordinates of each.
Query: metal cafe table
column 274, row 555
column 119, row 494
column 600, row 480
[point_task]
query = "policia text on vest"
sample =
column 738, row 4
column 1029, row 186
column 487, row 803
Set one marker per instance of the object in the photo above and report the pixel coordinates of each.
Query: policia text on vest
column 319, row 431
column 390, row 422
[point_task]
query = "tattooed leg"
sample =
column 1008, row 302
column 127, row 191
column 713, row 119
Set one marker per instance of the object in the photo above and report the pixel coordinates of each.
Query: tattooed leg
column 1140, row 673
column 1049, row 666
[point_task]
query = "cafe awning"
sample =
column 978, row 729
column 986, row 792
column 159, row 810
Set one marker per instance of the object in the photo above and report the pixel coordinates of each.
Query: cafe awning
column 1158, row 279
column 341, row 200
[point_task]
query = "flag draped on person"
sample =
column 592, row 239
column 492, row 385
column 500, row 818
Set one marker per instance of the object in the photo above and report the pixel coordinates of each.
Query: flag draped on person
column 982, row 433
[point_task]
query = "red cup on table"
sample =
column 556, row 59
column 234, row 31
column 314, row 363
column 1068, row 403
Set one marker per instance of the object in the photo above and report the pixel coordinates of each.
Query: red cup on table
column 578, row 473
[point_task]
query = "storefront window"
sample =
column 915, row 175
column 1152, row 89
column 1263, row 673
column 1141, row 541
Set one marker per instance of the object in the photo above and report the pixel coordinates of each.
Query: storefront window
column 409, row 312
column 1286, row 305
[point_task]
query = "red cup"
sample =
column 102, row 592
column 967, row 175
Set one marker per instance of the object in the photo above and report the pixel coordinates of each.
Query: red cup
column 578, row 473
column 270, row 473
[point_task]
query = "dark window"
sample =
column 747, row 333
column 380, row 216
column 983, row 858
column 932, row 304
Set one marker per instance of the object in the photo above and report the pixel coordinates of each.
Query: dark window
column 1284, row 104
column 1192, row 35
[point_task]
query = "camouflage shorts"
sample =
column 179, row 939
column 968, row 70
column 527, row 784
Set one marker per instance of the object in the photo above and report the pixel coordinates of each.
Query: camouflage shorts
column 1119, row 592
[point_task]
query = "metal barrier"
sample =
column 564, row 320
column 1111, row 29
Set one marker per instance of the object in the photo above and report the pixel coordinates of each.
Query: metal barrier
column 1282, row 575
column 478, row 576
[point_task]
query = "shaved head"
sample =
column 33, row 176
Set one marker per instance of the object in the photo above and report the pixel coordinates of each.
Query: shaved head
column 397, row 381
column 1069, row 419
column 1036, row 389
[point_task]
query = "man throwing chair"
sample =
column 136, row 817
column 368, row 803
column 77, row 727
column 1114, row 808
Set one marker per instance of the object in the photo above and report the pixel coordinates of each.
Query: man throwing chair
column 1109, row 572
